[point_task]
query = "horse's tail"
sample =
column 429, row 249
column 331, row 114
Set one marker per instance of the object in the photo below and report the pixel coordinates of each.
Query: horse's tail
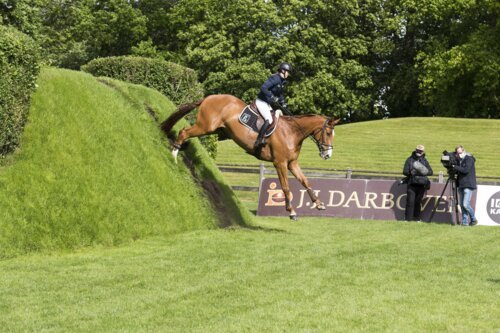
column 182, row 110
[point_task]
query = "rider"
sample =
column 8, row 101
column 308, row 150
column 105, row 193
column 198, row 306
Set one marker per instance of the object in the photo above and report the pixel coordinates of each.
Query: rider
column 271, row 93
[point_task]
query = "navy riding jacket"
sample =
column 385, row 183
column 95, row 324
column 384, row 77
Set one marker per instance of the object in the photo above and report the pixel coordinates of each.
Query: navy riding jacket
column 273, row 87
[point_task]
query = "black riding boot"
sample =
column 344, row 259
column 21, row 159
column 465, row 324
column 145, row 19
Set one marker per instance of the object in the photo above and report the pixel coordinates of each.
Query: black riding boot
column 260, row 138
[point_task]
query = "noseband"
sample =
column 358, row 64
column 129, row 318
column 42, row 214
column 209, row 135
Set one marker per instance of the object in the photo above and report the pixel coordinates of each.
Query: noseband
column 321, row 143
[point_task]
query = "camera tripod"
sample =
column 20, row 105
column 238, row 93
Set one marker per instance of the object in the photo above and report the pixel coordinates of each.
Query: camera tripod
column 453, row 198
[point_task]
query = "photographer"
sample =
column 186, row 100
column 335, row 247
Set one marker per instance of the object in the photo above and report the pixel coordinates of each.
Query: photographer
column 466, row 183
column 416, row 169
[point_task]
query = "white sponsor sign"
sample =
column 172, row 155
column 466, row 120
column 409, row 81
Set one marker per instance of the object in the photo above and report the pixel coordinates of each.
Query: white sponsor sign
column 488, row 205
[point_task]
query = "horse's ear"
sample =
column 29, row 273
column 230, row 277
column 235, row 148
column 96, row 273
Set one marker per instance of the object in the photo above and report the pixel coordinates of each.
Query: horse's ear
column 334, row 122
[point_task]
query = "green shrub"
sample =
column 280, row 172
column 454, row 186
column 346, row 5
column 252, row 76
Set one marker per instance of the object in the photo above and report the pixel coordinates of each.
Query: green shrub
column 180, row 84
column 210, row 144
column 19, row 69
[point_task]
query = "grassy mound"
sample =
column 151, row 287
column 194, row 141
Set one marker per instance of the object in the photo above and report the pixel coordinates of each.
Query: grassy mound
column 94, row 168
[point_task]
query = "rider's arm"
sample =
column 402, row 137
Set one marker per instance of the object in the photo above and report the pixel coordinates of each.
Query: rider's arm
column 267, row 86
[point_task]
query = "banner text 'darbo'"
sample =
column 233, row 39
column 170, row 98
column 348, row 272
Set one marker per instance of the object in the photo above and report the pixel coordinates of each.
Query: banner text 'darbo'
column 353, row 198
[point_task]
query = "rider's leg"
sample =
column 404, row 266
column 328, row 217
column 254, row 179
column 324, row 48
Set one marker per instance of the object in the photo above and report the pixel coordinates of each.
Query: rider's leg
column 265, row 110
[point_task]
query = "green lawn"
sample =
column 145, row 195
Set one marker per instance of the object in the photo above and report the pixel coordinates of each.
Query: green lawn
column 318, row 275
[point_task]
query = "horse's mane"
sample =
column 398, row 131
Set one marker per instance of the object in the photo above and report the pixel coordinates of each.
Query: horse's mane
column 182, row 110
column 305, row 116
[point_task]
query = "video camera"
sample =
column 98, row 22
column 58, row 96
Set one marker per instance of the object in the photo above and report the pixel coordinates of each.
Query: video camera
column 448, row 160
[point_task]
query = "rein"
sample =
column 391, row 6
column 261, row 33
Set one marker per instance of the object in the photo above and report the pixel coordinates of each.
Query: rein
column 319, row 144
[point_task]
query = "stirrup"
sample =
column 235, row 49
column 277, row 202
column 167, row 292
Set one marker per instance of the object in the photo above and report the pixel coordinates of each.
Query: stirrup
column 259, row 143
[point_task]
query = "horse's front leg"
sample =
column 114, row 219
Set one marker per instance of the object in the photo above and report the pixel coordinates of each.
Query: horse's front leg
column 282, row 170
column 297, row 172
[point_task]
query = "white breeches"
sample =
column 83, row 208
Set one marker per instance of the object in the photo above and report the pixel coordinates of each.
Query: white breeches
column 265, row 110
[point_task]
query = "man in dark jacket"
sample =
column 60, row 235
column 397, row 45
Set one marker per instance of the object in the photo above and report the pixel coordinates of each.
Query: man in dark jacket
column 416, row 170
column 466, row 183
column 271, row 94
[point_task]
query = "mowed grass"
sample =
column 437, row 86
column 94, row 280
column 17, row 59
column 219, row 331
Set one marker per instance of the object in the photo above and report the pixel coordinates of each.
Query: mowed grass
column 318, row 275
column 384, row 145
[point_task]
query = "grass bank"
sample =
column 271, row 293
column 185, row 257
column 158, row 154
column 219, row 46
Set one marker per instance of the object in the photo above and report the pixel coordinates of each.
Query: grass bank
column 318, row 275
column 384, row 145
column 94, row 168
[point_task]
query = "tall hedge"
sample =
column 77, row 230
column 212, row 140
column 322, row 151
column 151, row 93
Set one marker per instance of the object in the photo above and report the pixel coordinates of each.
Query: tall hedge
column 180, row 84
column 19, row 69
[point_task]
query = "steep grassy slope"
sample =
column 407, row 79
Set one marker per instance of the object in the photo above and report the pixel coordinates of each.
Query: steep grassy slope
column 94, row 168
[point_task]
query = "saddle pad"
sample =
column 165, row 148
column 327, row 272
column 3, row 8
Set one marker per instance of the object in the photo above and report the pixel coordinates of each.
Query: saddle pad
column 250, row 119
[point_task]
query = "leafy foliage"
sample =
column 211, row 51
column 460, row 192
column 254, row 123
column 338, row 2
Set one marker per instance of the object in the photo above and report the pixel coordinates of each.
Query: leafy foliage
column 19, row 68
column 235, row 50
column 356, row 58
column 464, row 80
column 76, row 31
column 178, row 83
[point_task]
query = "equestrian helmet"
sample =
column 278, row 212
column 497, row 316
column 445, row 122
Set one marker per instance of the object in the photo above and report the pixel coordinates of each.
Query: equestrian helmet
column 284, row 66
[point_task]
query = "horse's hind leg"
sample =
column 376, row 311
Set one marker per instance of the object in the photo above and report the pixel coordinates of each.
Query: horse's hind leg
column 184, row 134
column 283, row 177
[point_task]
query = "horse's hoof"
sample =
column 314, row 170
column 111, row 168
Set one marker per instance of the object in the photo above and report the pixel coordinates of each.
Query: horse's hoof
column 294, row 217
column 174, row 154
column 318, row 205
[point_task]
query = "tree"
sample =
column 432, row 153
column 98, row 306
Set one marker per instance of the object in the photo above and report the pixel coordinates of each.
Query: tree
column 235, row 46
column 361, row 57
column 72, row 32
column 460, row 72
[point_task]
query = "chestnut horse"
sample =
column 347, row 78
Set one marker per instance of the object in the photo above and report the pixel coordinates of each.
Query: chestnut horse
column 282, row 147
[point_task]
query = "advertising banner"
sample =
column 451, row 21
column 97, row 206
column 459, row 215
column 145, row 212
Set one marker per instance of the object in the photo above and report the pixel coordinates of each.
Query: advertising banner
column 488, row 205
column 368, row 199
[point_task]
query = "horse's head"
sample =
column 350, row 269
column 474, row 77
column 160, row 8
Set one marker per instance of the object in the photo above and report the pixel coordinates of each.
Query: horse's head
column 324, row 137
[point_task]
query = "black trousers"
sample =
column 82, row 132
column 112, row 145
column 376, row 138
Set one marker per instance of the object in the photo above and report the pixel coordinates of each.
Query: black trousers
column 414, row 195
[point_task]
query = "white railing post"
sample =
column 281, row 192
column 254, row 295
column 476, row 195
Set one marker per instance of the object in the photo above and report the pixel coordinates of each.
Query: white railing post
column 349, row 173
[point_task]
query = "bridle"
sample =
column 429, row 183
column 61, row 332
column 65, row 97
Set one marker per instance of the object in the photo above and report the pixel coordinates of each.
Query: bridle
column 321, row 143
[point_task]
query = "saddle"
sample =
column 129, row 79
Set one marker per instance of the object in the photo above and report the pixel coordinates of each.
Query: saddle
column 251, row 118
